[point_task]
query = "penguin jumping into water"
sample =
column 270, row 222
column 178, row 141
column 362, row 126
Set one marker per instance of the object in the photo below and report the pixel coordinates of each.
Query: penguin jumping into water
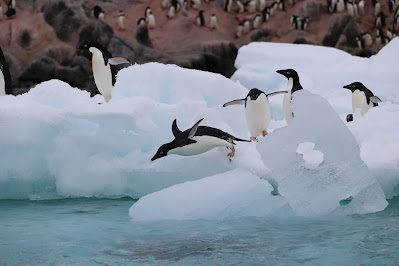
column 5, row 76
column 104, row 75
column 362, row 97
column 196, row 140
column 257, row 111
column 293, row 85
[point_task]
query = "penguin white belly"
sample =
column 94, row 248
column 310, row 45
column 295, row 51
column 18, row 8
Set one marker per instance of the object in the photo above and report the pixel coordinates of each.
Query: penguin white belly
column 359, row 101
column 121, row 23
column 102, row 75
column 258, row 115
column 203, row 144
column 287, row 109
column 2, row 84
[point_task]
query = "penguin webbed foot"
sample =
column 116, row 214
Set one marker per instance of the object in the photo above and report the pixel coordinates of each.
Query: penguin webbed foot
column 231, row 154
column 264, row 133
column 254, row 139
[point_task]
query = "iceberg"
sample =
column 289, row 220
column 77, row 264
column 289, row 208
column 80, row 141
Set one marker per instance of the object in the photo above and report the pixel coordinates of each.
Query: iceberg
column 316, row 162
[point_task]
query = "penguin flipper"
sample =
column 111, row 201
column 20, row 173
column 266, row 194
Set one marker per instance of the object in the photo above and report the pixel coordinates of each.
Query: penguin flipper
column 119, row 60
column 175, row 129
column 239, row 101
column 193, row 130
column 276, row 93
column 375, row 99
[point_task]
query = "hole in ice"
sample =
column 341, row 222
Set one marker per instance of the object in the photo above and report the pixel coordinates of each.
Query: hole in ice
column 313, row 158
column 346, row 201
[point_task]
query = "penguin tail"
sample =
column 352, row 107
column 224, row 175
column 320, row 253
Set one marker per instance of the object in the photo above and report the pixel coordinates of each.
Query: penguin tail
column 238, row 139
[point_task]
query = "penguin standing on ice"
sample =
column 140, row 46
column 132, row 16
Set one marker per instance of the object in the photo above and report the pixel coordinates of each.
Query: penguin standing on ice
column 257, row 111
column 104, row 75
column 293, row 85
column 5, row 76
column 196, row 140
column 362, row 98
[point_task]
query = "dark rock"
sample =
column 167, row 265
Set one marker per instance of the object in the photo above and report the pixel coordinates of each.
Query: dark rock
column 142, row 36
column 74, row 76
column 365, row 53
column 62, row 55
column 260, row 34
column 98, row 31
column 218, row 58
column 336, row 30
column 38, row 71
column 24, row 38
column 351, row 31
column 65, row 20
column 301, row 41
column 313, row 10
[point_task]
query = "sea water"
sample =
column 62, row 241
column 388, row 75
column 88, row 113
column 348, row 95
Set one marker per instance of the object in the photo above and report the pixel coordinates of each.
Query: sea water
column 92, row 231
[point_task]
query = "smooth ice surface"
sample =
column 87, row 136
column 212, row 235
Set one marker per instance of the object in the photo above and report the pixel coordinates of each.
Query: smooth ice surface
column 341, row 175
column 324, row 71
column 233, row 194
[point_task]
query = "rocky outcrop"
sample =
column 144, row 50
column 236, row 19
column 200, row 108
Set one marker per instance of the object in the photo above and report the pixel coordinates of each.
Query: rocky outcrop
column 40, row 41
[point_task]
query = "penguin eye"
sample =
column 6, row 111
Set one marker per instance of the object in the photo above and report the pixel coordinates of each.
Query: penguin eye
column 161, row 152
column 288, row 72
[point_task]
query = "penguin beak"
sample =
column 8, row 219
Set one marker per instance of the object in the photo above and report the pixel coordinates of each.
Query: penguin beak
column 346, row 86
column 156, row 156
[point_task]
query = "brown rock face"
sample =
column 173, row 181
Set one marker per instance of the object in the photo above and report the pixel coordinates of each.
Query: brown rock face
column 40, row 42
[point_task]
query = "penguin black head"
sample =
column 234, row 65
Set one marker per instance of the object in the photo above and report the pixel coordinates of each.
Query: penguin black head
column 355, row 86
column 288, row 73
column 254, row 94
column 87, row 45
column 291, row 73
column 162, row 151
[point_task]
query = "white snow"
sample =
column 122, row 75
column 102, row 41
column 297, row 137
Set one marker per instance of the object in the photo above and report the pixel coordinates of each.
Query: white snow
column 56, row 141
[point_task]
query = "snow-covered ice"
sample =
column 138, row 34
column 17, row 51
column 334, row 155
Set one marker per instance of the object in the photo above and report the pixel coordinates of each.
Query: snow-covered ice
column 56, row 141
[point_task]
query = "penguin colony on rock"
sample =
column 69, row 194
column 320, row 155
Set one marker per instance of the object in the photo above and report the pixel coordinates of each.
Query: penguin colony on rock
column 200, row 139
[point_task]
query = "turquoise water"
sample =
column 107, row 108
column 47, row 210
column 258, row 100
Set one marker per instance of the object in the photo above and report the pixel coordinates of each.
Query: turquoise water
column 88, row 231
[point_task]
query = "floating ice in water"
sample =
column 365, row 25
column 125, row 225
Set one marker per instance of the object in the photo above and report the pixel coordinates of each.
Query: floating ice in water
column 234, row 194
column 341, row 175
column 56, row 141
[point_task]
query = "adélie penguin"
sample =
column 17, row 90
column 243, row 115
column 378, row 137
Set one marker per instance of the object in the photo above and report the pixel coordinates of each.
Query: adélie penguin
column 196, row 140
column 104, row 75
column 5, row 76
column 293, row 85
column 257, row 111
column 362, row 97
